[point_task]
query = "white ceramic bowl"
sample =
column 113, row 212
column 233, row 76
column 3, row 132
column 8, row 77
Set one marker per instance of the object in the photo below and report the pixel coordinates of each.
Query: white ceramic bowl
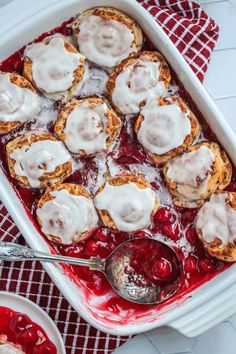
column 210, row 303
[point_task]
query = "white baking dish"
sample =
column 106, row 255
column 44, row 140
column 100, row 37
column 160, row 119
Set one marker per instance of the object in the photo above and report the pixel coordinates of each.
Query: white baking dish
column 216, row 299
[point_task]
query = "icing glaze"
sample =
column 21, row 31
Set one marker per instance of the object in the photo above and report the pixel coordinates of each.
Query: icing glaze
column 52, row 65
column 191, row 171
column 17, row 104
column 135, row 84
column 129, row 206
column 105, row 42
column 216, row 219
column 86, row 128
column 41, row 157
column 10, row 349
column 67, row 216
column 163, row 128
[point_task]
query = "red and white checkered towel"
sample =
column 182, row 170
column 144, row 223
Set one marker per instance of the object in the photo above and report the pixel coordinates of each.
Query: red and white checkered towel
column 195, row 35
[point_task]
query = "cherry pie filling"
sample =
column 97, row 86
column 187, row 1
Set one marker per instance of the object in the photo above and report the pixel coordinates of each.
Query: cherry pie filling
column 21, row 332
column 174, row 224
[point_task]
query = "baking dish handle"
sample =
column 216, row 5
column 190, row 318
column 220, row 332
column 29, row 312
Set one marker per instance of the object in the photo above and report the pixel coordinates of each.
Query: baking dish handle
column 208, row 314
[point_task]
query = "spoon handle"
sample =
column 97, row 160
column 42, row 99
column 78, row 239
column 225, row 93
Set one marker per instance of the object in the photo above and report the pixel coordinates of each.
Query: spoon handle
column 13, row 252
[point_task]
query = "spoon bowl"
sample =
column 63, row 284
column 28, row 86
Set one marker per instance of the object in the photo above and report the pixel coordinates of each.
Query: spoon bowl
column 144, row 271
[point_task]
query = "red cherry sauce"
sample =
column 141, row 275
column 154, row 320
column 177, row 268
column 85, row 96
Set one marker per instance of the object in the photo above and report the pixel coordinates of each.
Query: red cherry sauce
column 18, row 329
column 174, row 224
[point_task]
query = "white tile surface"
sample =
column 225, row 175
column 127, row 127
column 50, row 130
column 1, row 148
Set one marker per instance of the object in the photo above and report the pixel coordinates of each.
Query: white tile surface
column 176, row 342
column 224, row 14
column 139, row 345
column 207, row 1
column 4, row 2
column 219, row 340
column 220, row 79
column 228, row 107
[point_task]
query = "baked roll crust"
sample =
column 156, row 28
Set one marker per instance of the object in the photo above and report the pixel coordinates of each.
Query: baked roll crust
column 106, row 36
column 193, row 176
column 216, row 225
column 87, row 126
column 38, row 160
column 66, row 213
column 135, row 80
column 126, row 203
column 166, row 127
column 19, row 102
column 55, row 68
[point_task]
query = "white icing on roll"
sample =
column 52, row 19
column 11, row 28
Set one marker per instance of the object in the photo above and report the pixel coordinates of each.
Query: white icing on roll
column 135, row 84
column 129, row 206
column 192, row 172
column 52, row 65
column 164, row 127
column 216, row 219
column 105, row 42
column 17, row 104
column 67, row 216
column 10, row 349
column 39, row 158
column 86, row 128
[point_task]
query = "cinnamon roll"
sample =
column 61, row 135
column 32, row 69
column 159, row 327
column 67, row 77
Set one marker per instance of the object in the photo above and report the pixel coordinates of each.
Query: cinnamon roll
column 126, row 203
column 66, row 213
column 38, row 160
column 137, row 79
column 106, row 36
column 87, row 126
column 166, row 127
column 216, row 225
column 19, row 102
column 193, row 176
column 55, row 67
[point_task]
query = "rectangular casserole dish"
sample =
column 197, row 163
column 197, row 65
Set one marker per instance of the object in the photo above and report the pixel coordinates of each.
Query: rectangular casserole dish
column 212, row 302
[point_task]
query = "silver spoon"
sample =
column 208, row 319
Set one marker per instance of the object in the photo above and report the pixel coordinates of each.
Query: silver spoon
column 144, row 271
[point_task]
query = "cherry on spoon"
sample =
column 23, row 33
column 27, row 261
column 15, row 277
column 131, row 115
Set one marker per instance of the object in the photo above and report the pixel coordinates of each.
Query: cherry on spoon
column 144, row 271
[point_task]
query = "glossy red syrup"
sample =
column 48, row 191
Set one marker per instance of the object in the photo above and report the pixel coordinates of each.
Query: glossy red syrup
column 21, row 330
column 174, row 224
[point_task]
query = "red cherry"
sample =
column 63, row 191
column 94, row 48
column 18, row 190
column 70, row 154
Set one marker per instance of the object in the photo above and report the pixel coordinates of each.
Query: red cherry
column 102, row 234
column 162, row 269
column 112, row 245
column 171, row 230
column 188, row 217
column 75, row 251
column 91, row 248
column 191, row 264
column 232, row 187
column 103, row 249
column 20, row 322
column 141, row 234
column 128, row 269
column 30, row 336
column 155, row 185
column 131, row 155
column 48, row 348
column 191, row 235
column 164, row 215
column 134, row 263
column 206, row 265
